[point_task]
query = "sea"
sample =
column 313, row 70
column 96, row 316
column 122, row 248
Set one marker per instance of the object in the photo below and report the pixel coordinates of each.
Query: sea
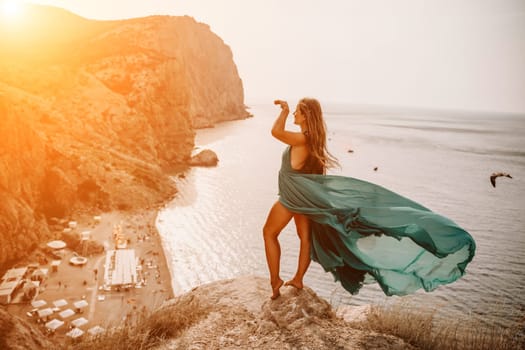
column 212, row 229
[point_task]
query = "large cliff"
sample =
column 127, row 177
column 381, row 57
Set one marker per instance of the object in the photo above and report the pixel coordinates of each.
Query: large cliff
column 95, row 114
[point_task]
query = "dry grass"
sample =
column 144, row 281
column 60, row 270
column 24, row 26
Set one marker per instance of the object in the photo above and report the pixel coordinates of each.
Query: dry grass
column 418, row 327
column 144, row 330
column 421, row 329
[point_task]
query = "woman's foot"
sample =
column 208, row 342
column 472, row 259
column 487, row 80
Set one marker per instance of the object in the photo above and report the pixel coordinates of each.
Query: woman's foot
column 294, row 283
column 275, row 289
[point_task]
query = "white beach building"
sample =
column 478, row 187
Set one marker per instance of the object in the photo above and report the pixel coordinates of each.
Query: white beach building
column 120, row 269
column 9, row 282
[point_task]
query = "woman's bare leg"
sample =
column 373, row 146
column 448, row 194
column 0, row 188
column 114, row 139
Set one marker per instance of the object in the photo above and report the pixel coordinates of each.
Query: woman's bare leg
column 277, row 219
column 302, row 223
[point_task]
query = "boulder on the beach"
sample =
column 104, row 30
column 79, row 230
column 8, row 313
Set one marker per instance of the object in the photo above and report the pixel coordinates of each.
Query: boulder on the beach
column 204, row 158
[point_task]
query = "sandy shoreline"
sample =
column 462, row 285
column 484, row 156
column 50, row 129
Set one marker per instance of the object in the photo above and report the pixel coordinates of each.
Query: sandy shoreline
column 74, row 283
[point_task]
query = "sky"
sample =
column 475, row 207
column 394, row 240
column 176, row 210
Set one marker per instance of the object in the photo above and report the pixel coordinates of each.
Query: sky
column 445, row 54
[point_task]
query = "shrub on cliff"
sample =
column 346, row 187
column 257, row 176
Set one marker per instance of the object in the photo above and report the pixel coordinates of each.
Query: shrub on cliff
column 73, row 242
column 420, row 328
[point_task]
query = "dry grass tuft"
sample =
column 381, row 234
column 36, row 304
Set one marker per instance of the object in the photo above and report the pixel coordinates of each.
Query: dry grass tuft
column 421, row 329
column 144, row 330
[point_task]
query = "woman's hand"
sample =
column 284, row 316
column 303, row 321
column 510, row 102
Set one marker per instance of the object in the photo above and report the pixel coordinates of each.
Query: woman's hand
column 283, row 104
column 278, row 129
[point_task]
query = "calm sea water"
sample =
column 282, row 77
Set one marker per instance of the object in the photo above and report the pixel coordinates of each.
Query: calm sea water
column 213, row 228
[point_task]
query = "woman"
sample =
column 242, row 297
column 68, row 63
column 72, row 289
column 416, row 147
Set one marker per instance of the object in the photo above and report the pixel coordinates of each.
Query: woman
column 358, row 231
column 308, row 155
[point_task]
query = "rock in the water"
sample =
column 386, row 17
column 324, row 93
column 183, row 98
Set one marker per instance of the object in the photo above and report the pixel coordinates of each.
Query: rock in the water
column 204, row 158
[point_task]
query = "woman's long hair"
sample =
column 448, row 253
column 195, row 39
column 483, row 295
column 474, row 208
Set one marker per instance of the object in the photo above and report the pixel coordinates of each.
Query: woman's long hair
column 316, row 133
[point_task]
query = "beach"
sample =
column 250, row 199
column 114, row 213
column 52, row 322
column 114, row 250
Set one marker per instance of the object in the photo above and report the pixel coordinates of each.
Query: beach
column 72, row 283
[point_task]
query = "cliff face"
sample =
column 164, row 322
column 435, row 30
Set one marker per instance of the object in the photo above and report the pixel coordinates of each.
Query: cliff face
column 94, row 114
column 17, row 334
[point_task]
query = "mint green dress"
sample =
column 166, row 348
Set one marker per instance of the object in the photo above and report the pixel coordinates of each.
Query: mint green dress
column 363, row 233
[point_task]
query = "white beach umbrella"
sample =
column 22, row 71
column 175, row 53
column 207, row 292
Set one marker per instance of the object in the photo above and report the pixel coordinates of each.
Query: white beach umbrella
column 75, row 333
column 60, row 302
column 80, row 304
column 44, row 312
column 56, row 244
column 96, row 330
column 79, row 322
column 54, row 324
column 38, row 303
column 66, row 313
column 78, row 260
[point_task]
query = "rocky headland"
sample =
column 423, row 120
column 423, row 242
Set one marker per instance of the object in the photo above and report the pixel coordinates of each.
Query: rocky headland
column 95, row 115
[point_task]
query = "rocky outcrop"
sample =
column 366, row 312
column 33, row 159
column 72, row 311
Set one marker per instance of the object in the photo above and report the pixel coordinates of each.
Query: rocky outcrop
column 204, row 158
column 238, row 314
column 95, row 114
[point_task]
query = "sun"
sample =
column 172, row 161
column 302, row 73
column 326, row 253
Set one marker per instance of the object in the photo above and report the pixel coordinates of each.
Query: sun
column 10, row 9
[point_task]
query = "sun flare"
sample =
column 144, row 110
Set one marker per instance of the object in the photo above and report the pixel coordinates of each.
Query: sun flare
column 11, row 9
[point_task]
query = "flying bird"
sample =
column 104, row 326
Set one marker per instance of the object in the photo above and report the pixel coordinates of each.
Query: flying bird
column 495, row 175
column 375, row 168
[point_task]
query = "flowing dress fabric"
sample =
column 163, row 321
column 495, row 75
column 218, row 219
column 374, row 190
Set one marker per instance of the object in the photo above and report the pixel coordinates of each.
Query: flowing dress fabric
column 362, row 232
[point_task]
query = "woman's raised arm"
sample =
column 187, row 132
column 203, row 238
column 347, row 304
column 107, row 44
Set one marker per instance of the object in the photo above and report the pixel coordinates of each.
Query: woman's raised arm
column 278, row 129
